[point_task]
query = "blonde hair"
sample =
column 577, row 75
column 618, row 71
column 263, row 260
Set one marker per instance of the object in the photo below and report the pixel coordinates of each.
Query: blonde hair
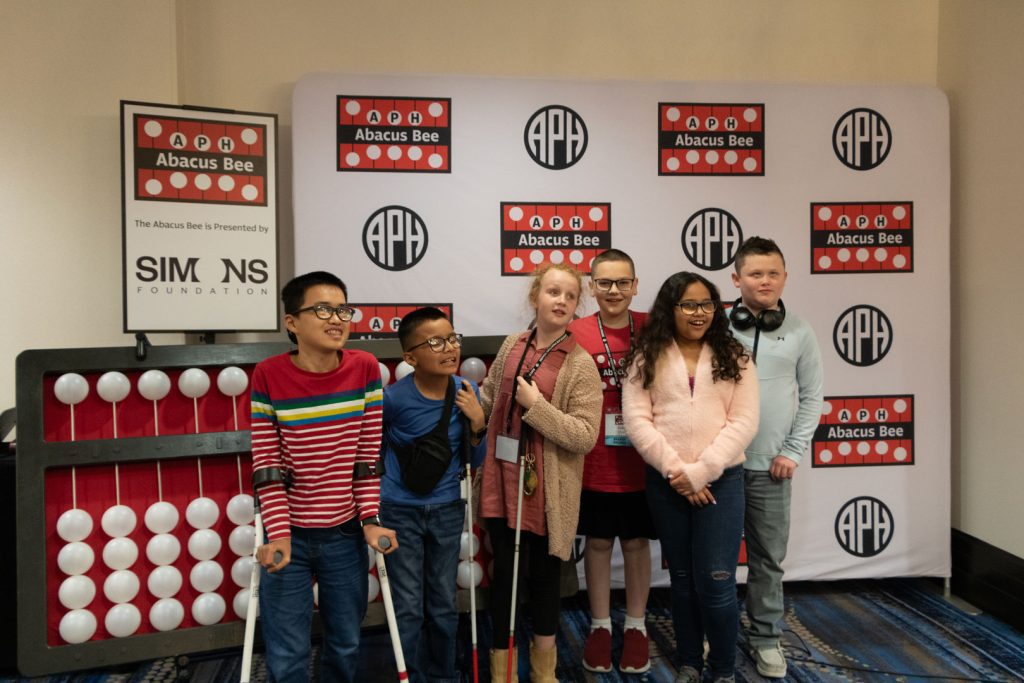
column 539, row 274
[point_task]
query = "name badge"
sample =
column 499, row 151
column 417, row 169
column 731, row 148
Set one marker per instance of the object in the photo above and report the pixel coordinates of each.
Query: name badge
column 506, row 448
column 615, row 430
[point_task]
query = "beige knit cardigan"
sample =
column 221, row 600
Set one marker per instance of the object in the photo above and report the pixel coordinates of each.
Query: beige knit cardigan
column 569, row 424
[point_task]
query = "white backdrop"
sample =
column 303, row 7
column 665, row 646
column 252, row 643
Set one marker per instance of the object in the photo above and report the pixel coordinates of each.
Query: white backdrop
column 415, row 190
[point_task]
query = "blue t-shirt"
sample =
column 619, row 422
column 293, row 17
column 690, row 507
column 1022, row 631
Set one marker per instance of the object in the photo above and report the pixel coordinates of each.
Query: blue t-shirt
column 408, row 414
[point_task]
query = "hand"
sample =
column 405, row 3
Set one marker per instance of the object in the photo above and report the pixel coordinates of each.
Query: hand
column 528, row 393
column 373, row 533
column 275, row 555
column 470, row 406
column 782, row 468
column 680, row 483
column 702, row 498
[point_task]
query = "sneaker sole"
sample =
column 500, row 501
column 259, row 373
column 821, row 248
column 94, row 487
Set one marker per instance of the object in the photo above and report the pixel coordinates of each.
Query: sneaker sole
column 628, row 670
column 771, row 673
column 595, row 669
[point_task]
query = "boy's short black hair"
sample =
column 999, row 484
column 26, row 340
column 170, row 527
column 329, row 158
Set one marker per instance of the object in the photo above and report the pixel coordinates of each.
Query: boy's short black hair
column 612, row 255
column 412, row 320
column 757, row 246
column 294, row 293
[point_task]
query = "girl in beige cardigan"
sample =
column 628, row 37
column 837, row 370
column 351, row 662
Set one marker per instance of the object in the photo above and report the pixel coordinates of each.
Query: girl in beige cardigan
column 543, row 397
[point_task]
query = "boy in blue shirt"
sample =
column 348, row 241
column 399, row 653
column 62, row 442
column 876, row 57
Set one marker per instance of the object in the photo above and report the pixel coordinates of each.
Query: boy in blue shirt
column 423, row 502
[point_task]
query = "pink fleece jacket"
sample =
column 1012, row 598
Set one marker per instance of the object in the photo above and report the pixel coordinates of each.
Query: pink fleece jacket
column 702, row 434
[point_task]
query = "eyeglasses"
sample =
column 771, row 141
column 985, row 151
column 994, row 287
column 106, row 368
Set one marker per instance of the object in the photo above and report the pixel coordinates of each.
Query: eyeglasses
column 324, row 312
column 690, row 307
column 606, row 285
column 436, row 344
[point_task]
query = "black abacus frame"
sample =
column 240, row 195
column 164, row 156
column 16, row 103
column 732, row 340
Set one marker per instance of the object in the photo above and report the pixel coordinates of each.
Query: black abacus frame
column 35, row 455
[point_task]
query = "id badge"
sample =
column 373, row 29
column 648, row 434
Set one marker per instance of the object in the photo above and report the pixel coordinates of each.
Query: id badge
column 506, row 448
column 615, row 429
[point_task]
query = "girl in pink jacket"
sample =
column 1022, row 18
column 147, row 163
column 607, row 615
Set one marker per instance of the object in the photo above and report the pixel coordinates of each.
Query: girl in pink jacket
column 690, row 407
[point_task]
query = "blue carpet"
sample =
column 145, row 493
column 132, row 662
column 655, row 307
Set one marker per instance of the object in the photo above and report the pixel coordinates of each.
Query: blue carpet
column 886, row 630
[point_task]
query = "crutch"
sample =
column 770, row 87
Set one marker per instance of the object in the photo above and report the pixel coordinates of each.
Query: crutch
column 468, row 465
column 389, row 608
column 515, row 569
column 260, row 478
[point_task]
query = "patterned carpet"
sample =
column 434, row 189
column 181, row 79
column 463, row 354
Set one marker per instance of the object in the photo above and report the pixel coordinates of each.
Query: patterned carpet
column 886, row 630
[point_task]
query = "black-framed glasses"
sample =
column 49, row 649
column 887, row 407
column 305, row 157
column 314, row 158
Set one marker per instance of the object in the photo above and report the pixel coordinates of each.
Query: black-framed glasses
column 436, row 344
column 622, row 285
column 690, row 307
column 324, row 312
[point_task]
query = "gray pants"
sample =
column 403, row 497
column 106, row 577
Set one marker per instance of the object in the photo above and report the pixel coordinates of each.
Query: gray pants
column 766, row 525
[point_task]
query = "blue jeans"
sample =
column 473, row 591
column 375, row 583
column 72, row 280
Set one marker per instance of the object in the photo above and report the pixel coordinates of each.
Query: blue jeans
column 422, row 574
column 702, row 546
column 336, row 556
column 767, row 534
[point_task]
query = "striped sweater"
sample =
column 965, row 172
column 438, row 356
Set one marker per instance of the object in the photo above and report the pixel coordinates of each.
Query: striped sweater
column 316, row 426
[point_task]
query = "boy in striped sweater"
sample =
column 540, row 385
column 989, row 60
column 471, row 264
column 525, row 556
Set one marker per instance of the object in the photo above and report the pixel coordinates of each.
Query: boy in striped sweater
column 316, row 416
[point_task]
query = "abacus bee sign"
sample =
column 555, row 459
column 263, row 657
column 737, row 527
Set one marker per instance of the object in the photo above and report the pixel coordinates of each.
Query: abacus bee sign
column 398, row 134
column 862, row 237
column 199, row 194
column 696, row 139
column 860, row 431
column 380, row 321
column 534, row 234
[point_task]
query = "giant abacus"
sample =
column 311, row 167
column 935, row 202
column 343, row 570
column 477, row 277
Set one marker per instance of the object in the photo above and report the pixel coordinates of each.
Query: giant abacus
column 134, row 523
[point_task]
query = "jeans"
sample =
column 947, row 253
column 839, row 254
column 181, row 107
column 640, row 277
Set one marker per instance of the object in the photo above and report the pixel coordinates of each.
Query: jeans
column 702, row 547
column 767, row 534
column 336, row 556
column 422, row 573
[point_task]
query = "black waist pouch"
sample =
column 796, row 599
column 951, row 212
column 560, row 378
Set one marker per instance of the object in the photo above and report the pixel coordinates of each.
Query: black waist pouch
column 424, row 461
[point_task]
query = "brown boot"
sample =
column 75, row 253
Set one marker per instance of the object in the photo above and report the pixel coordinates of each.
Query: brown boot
column 542, row 665
column 499, row 665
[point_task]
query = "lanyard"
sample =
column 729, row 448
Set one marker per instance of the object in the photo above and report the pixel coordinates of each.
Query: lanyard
column 618, row 372
column 529, row 373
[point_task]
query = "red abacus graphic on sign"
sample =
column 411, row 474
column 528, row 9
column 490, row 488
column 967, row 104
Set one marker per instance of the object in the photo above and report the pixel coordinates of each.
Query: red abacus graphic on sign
column 380, row 321
column 865, row 430
column 200, row 160
column 403, row 134
column 862, row 237
column 535, row 234
column 710, row 139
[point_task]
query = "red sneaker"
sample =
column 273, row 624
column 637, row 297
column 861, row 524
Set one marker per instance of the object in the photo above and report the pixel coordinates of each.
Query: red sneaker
column 597, row 652
column 636, row 657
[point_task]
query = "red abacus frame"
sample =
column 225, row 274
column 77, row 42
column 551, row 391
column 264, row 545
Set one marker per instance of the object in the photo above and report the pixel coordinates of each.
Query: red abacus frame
column 46, row 455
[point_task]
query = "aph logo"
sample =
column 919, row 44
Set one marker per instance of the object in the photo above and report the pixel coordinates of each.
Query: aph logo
column 380, row 321
column 395, row 238
column 399, row 134
column 862, row 335
column 710, row 139
column 535, row 234
column 860, row 237
column 862, row 139
column 206, row 161
column 859, row 431
column 864, row 526
column 556, row 137
column 711, row 238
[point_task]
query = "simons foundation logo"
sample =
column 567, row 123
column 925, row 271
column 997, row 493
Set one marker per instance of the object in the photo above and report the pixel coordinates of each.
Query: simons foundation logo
column 862, row 335
column 711, row 238
column 862, row 237
column 710, row 139
column 862, row 139
column 859, row 431
column 556, row 137
column 398, row 134
column 204, row 161
column 864, row 526
column 380, row 321
column 395, row 238
column 534, row 234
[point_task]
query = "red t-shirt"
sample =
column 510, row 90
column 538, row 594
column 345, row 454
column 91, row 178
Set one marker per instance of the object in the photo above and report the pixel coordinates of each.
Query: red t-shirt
column 609, row 469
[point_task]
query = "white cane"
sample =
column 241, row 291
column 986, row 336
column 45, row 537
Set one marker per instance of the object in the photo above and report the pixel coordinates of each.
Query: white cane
column 472, row 584
column 515, row 570
column 389, row 609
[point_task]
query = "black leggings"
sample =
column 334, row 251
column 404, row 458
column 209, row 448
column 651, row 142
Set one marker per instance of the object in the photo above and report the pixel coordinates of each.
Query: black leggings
column 544, row 580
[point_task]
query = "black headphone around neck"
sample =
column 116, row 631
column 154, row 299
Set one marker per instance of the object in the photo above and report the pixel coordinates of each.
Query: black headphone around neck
column 767, row 320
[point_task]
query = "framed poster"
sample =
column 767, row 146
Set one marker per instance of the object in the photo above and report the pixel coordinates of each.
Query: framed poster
column 199, row 219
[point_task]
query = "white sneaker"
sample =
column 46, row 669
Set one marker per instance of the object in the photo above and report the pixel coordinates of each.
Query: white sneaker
column 771, row 662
